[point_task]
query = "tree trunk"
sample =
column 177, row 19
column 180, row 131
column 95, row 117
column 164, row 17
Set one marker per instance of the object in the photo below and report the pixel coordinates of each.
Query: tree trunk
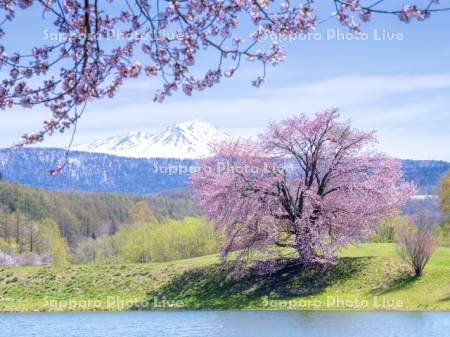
column 305, row 249
column 31, row 237
column 18, row 229
column 5, row 224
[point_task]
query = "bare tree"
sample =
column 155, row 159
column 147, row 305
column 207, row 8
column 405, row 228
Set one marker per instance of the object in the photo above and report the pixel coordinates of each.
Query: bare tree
column 415, row 242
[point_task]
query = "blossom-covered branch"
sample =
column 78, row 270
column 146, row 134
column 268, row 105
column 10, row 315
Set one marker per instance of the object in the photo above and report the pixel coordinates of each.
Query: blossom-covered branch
column 164, row 38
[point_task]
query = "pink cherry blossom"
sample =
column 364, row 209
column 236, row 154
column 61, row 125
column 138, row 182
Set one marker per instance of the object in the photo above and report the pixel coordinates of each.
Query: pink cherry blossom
column 310, row 185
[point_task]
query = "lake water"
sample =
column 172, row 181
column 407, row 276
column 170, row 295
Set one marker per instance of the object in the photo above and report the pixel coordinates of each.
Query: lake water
column 227, row 324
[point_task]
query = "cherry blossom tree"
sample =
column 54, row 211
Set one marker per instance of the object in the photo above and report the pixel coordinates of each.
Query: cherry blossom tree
column 308, row 185
column 90, row 60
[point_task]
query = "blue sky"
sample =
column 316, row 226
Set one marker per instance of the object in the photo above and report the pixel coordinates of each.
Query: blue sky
column 400, row 88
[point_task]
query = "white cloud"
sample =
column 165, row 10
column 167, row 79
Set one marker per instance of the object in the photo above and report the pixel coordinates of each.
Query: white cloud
column 413, row 106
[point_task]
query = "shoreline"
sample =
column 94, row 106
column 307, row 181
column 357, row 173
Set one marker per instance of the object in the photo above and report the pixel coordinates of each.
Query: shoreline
column 231, row 310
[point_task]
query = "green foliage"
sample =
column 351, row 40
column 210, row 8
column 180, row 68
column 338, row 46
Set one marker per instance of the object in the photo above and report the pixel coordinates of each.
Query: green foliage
column 171, row 240
column 80, row 215
column 54, row 242
column 8, row 247
column 84, row 252
column 100, row 250
column 385, row 232
column 88, row 221
column 140, row 212
column 136, row 243
column 149, row 242
column 444, row 194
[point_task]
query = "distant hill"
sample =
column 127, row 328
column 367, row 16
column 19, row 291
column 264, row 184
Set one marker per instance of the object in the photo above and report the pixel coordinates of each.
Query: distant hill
column 107, row 173
column 93, row 172
column 426, row 174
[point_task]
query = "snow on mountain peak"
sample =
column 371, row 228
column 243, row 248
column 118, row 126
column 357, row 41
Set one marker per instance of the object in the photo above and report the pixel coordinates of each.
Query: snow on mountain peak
column 189, row 139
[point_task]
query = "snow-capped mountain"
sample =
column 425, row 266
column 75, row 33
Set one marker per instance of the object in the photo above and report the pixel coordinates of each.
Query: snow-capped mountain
column 119, row 145
column 188, row 140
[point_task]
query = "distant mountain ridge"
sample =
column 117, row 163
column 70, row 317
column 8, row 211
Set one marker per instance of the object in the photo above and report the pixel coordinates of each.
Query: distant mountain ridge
column 93, row 172
column 187, row 140
column 107, row 173
column 425, row 173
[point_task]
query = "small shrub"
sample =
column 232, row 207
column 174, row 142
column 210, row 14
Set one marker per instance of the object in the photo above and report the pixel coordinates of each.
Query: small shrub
column 415, row 244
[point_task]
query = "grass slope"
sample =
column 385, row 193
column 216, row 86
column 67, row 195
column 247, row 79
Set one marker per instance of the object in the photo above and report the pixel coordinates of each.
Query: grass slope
column 366, row 277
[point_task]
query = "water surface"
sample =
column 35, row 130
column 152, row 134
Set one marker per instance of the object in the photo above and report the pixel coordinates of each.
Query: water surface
column 227, row 324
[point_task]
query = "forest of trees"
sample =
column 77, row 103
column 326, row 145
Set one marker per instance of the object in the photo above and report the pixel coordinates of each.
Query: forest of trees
column 78, row 214
column 147, row 240
column 34, row 222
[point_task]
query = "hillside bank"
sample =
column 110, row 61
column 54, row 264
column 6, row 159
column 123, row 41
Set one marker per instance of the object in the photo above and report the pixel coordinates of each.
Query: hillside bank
column 366, row 277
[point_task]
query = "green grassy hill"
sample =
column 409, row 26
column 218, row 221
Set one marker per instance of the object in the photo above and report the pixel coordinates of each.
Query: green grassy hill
column 366, row 277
